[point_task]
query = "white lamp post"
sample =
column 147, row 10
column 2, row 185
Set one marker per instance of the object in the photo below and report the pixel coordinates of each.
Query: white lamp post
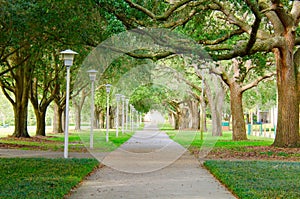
column 107, row 110
column 140, row 118
column 126, row 115
column 131, row 117
column 92, row 74
column 68, row 57
column 137, row 120
column 118, row 96
column 123, row 112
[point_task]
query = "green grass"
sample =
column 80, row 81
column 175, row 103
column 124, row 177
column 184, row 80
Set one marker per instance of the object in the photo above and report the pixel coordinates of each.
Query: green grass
column 193, row 139
column 258, row 179
column 41, row 178
column 78, row 141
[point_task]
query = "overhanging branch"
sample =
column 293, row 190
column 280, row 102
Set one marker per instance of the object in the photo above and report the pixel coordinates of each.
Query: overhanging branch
column 256, row 82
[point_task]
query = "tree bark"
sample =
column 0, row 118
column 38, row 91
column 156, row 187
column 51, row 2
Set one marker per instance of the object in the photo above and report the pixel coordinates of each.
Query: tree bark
column 78, row 104
column 297, row 66
column 77, row 113
column 96, row 118
column 215, row 93
column 185, row 119
column 40, row 122
column 21, row 112
column 177, row 119
column 21, row 97
column 102, row 119
column 203, row 126
column 57, row 119
column 236, row 106
column 287, row 131
column 111, row 118
column 194, row 106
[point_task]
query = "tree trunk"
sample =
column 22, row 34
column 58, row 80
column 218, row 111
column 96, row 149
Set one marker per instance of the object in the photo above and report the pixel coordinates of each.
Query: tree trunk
column 78, row 102
column 215, row 93
column 171, row 118
column 236, row 106
column 77, row 116
column 287, row 131
column 203, row 126
column 21, row 111
column 22, row 88
column 57, row 119
column 177, row 121
column 194, row 105
column 96, row 119
column 297, row 65
column 185, row 119
column 40, row 122
column 216, row 121
column 111, row 118
column 102, row 119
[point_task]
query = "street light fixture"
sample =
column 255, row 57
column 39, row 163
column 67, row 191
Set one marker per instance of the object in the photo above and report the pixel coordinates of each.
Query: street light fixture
column 68, row 57
column 118, row 96
column 108, row 86
column 92, row 74
column 123, row 112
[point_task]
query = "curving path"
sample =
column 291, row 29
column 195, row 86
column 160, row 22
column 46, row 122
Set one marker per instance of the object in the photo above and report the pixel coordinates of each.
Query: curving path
column 151, row 165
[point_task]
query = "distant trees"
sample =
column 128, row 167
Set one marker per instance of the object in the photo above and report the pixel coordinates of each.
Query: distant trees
column 32, row 35
column 230, row 29
column 226, row 29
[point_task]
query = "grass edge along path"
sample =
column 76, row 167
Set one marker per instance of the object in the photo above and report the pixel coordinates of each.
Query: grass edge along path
column 42, row 177
column 258, row 179
column 78, row 141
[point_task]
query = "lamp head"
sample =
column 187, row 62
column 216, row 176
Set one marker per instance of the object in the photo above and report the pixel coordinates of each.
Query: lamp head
column 68, row 56
column 123, row 98
column 108, row 86
column 92, row 73
column 118, row 96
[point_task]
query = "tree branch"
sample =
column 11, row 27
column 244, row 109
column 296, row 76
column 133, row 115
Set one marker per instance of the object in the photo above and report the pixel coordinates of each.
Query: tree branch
column 141, row 8
column 255, row 25
column 272, row 16
column 227, row 80
column 295, row 12
column 256, row 82
column 223, row 38
column 240, row 49
column 180, row 22
column 162, row 17
column 284, row 17
column 240, row 23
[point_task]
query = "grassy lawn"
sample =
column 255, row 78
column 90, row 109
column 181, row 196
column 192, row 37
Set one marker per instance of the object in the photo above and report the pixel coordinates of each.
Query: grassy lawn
column 78, row 141
column 41, row 178
column 258, row 179
column 244, row 169
column 193, row 139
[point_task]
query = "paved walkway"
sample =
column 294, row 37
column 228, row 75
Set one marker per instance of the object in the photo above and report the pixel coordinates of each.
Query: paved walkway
column 150, row 165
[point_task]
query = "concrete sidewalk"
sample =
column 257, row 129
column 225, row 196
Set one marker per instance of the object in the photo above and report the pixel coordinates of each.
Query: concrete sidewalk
column 151, row 165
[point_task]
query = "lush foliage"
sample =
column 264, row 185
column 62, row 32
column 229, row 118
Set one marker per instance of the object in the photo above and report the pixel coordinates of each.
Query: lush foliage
column 258, row 179
column 42, row 178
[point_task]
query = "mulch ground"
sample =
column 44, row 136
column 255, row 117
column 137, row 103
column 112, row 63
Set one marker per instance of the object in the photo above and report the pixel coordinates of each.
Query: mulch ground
column 243, row 153
column 253, row 153
column 43, row 144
